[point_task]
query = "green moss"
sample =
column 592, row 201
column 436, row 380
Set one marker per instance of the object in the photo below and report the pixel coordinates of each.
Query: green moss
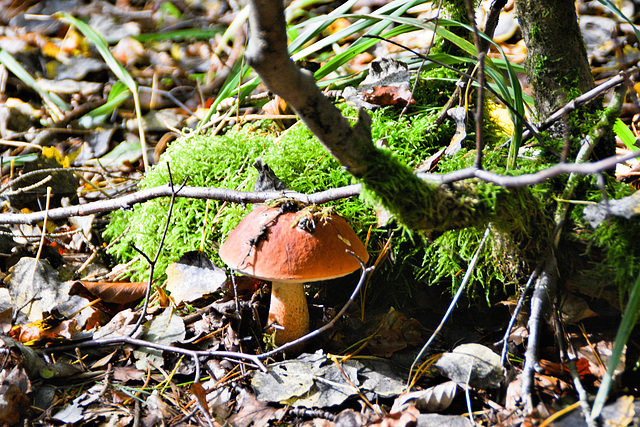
column 611, row 252
column 225, row 162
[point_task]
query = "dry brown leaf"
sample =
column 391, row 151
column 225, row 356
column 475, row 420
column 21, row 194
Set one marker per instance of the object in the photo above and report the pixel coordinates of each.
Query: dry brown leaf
column 42, row 330
column 388, row 95
column 252, row 412
column 114, row 296
column 396, row 332
column 13, row 400
column 406, row 418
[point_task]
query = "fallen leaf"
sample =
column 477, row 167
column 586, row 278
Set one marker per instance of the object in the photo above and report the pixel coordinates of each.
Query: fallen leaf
column 406, row 418
column 433, row 399
column 395, row 333
column 13, row 399
column 110, row 297
column 625, row 207
column 472, row 364
column 167, row 328
column 388, row 83
column 193, row 276
column 252, row 412
column 561, row 370
column 313, row 380
column 388, row 95
column 39, row 290
column 44, row 331
column 113, row 292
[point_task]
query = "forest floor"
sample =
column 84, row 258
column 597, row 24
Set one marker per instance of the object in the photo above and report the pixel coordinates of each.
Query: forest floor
column 72, row 349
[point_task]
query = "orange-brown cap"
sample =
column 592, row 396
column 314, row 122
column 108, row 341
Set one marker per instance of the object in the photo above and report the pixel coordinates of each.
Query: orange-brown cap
column 303, row 246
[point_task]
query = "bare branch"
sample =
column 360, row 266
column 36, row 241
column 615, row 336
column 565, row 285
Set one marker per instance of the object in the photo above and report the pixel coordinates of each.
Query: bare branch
column 267, row 53
column 233, row 196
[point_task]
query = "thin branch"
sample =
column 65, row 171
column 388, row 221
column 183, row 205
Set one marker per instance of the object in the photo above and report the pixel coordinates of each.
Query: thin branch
column 196, row 354
column 545, row 287
column 152, row 263
column 454, row 302
column 581, row 100
column 516, row 312
column 127, row 202
column 365, row 272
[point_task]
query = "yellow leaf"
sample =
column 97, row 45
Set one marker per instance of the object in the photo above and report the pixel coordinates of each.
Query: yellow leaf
column 53, row 153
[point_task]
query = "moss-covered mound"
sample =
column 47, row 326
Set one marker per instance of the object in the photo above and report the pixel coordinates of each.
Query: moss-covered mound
column 224, row 161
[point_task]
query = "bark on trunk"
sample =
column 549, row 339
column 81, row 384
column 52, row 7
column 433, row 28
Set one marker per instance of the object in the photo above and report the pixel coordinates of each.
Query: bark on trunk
column 556, row 63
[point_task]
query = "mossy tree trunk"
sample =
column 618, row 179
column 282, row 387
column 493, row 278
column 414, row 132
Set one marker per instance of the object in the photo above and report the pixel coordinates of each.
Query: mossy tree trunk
column 556, row 63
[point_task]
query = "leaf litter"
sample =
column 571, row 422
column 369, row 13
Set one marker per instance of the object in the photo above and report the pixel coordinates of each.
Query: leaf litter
column 69, row 79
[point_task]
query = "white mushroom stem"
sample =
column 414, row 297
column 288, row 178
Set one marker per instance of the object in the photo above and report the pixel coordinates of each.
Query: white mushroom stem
column 288, row 310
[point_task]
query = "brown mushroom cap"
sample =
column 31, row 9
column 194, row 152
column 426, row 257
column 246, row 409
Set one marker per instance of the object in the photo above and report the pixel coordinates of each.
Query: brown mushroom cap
column 303, row 246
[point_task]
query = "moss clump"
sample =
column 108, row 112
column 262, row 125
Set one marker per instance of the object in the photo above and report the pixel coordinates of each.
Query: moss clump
column 224, row 162
column 610, row 252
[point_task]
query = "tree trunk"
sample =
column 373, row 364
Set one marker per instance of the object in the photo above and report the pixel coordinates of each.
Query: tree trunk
column 556, row 63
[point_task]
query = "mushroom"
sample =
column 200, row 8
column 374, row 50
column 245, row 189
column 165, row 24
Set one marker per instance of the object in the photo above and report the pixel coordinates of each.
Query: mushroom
column 289, row 245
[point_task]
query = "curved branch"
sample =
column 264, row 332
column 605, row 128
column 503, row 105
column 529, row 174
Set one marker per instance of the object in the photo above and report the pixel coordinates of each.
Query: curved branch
column 128, row 201
column 267, row 53
column 234, row 196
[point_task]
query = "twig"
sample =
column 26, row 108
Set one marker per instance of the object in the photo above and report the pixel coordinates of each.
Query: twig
column 195, row 354
column 365, row 272
column 545, row 288
column 28, row 188
column 581, row 100
column 516, row 312
column 570, row 362
column 26, row 175
column 152, row 263
column 233, row 196
column 454, row 301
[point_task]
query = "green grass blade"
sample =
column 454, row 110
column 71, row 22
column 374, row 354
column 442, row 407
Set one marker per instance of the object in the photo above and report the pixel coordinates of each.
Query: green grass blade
column 625, row 134
column 232, row 85
column 627, row 137
column 364, row 21
column 612, row 7
column 510, row 90
column 116, row 68
column 177, row 35
column 313, row 28
column 52, row 101
column 118, row 94
column 356, row 48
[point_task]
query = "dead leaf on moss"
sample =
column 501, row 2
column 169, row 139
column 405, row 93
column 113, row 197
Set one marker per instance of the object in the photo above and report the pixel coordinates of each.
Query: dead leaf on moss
column 193, row 276
column 388, row 95
column 625, row 207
